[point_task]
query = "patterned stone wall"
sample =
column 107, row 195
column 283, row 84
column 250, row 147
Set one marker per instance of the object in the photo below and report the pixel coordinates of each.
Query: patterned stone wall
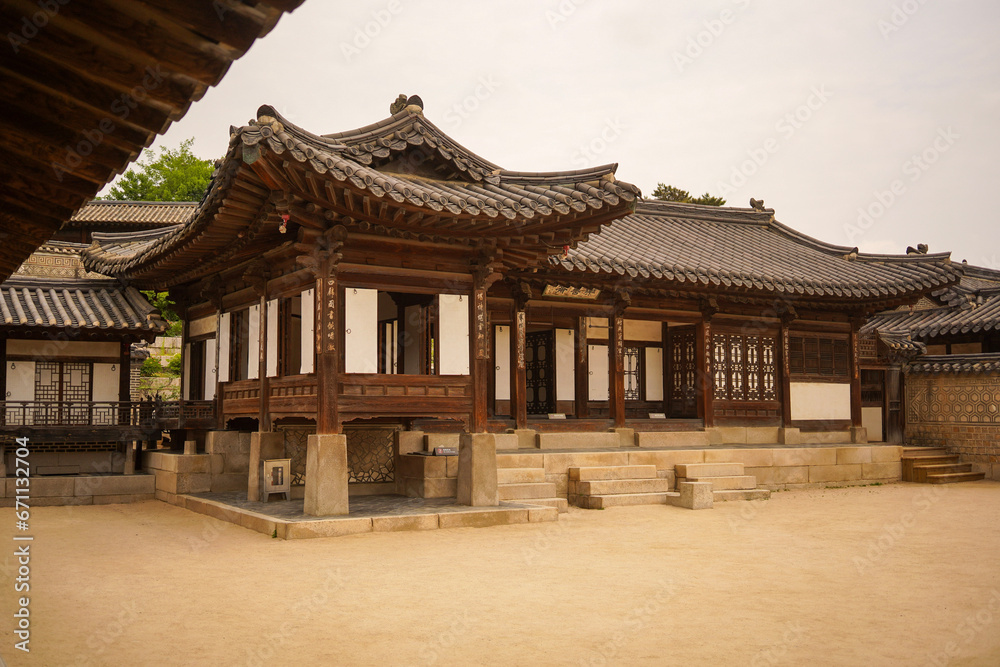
column 958, row 411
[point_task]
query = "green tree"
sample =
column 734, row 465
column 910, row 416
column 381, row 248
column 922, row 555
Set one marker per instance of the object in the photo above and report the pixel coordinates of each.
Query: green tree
column 162, row 302
column 172, row 175
column 670, row 193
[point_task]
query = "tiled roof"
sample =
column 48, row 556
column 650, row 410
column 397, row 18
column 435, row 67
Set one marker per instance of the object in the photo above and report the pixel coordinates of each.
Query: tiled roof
column 128, row 213
column 79, row 304
column 401, row 176
column 746, row 249
column 973, row 306
column 955, row 363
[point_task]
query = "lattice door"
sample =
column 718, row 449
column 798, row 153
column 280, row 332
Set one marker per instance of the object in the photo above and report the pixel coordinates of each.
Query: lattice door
column 539, row 373
column 683, row 369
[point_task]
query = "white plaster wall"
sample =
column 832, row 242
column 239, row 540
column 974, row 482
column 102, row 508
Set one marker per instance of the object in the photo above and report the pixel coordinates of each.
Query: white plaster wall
column 62, row 348
column 360, row 330
column 20, row 387
column 501, row 359
column 654, row 374
column 253, row 342
column 271, row 362
column 597, row 357
column 105, row 382
column 202, row 326
column 643, row 330
column 597, row 327
column 225, row 321
column 308, row 363
column 820, row 400
column 565, row 366
column 210, row 370
column 453, row 314
column 871, row 419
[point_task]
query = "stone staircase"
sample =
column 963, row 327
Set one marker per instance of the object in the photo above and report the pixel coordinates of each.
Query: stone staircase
column 727, row 479
column 527, row 485
column 599, row 487
column 934, row 465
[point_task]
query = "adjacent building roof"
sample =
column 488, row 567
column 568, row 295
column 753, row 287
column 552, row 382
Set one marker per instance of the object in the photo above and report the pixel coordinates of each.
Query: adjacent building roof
column 971, row 306
column 748, row 250
column 400, row 177
column 102, row 214
column 83, row 95
column 955, row 363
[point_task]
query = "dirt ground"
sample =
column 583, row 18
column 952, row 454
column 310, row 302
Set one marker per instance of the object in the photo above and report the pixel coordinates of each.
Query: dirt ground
column 902, row 574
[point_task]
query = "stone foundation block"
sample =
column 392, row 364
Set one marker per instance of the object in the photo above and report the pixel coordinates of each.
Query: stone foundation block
column 695, row 495
column 381, row 524
column 835, row 473
column 560, row 463
column 859, row 435
column 886, row 453
column 506, row 441
column 789, row 436
column 748, row 457
column 525, row 438
column 805, row 456
column 264, row 445
column 762, row 435
column 309, row 529
column 477, row 470
column 666, row 459
column 882, row 470
column 609, row 440
column 409, row 441
column 432, row 440
column 108, row 486
column 506, row 460
column 626, row 437
column 326, row 475
column 774, row 476
column 854, row 455
column 482, row 519
column 672, row 439
column 438, row 487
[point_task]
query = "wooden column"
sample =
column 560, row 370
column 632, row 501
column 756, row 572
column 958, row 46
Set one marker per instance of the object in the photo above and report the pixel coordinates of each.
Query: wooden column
column 786, row 383
column 480, row 356
column 328, row 330
column 582, row 377
column 124, row 371
column 703, row 358
column 668, row 382
column 518, row 375
column 616, row 367
column 854, row 351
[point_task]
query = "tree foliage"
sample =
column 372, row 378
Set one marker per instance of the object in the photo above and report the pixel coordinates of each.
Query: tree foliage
column 665, row 192
column 162, row 302
column 170, row 175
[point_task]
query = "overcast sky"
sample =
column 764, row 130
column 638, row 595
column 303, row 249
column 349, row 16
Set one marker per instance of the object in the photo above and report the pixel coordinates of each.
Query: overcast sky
column 870, row 123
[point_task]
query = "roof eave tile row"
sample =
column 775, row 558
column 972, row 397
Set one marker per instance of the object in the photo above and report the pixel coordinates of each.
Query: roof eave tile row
column 79, row 304
column 955, row 363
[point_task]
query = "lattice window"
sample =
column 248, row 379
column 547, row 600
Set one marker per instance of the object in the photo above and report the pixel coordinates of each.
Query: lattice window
column 633, row 378
column 539, row 373
column 868, row 346
column 744, row 367
column 64, row 383
column 819, row 356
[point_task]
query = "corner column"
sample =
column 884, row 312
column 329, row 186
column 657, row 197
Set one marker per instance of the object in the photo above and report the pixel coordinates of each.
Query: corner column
column 518, row 376
column 859, row 435
column 327, row 475
column 703, row 359
column 582, row 377
column 616, row 366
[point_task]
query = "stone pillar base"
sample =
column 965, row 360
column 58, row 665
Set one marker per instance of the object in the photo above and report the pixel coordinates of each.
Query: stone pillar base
column 477, row 470
column 696, row 495
column 626, row 437
column 326, row 475
column 526, row 438
column 263, row 446
column 190, row 447
column 859, row 435
column 789, row 436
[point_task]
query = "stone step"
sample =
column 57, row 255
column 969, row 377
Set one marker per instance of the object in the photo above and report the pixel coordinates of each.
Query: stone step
column 919, row 451
column 526, row 491
column 931, row 458
column 520, row 475
column 949, row 478
column 609, row 486
column 621, row 499
column 560, row 504
column 741, row 482
column 741, row 494
column 505, row 460
column 920, row 472
column 692, row 470
column 612, row 472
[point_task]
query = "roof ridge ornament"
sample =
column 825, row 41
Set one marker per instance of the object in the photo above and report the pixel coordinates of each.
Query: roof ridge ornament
column 413, row 104
column 757, row 204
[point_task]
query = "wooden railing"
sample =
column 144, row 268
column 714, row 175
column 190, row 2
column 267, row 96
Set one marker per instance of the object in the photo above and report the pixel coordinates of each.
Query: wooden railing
column 152, row 415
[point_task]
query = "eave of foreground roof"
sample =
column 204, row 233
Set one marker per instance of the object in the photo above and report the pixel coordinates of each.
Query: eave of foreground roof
column 696, row 246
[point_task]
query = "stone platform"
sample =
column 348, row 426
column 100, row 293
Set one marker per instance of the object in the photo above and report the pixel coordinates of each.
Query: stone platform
column 286, row 520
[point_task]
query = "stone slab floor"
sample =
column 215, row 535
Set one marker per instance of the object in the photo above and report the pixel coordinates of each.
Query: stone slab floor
column 902, row 574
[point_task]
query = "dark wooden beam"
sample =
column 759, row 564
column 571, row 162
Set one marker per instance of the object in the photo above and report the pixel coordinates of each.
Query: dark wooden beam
column 582, row 377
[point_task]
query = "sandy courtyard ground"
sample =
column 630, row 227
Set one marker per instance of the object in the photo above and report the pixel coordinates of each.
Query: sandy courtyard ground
column 903, row 574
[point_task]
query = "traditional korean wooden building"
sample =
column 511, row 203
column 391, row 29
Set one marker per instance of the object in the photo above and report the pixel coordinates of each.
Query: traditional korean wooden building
column 389, row 277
